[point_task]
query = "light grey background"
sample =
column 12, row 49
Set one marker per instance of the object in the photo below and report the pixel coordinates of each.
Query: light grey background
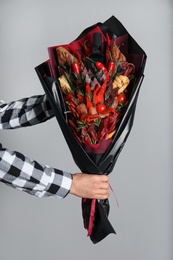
column 33, row 228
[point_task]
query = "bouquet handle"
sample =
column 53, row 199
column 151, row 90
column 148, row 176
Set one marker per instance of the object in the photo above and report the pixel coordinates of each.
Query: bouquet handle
column 95, row 217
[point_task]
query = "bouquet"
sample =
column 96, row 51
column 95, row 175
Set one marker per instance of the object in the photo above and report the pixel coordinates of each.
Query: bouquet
column 92, row 84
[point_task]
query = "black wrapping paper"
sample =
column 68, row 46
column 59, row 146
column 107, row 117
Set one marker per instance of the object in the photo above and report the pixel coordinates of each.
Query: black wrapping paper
column 90, row 162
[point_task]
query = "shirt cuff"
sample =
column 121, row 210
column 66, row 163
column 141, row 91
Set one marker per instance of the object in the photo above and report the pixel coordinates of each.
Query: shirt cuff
column 61, row 185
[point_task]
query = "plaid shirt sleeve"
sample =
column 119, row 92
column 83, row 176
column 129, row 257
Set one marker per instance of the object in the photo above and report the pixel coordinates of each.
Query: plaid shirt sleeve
column 29, row 176
column 25, row 112
column 19, row 171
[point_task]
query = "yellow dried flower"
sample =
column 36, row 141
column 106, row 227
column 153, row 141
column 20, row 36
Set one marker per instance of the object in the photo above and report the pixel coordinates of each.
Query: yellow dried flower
column 121, row 82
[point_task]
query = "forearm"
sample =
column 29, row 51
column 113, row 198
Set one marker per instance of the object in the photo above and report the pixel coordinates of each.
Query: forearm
column 25, row 112
column 27, row 175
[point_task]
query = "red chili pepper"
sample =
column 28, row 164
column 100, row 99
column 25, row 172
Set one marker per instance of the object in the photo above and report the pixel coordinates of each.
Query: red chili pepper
column 76, row 67
column 96, row 97
column 100, row 66
column 80, row 97
column 98, row 94
column 69, row 97
column 88, row 89
column 88, row 96
column 88, row 102
column 73, row 102
column 111, row 68
column 74, row 112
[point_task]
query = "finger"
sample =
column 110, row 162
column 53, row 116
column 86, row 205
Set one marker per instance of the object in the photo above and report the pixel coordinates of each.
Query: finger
column 104, row 178
column 104, row 185
column 103, row 191
column 103, row 196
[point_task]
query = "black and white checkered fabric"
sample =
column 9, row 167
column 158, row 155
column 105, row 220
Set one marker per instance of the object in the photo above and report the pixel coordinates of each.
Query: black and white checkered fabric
column 25, row 112
column 19, row 171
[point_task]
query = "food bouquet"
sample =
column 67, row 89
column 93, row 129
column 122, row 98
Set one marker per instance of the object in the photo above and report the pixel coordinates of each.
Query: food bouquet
column 92, row 84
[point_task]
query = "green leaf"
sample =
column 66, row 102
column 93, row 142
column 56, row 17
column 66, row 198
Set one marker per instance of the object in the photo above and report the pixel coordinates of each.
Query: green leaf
column 97, row 122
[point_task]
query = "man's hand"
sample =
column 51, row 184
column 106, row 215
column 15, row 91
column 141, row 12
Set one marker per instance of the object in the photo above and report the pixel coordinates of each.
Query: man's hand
column 90, row 186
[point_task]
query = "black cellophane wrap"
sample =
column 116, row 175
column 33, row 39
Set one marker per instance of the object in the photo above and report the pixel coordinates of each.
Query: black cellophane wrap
column 91, row 162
